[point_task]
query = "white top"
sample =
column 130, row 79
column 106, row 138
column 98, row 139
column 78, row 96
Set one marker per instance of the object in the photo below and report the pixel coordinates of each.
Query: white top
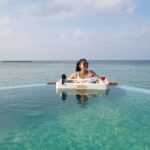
column 88, row 79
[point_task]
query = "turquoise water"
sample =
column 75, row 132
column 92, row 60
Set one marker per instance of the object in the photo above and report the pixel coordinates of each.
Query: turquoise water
column 33, row 115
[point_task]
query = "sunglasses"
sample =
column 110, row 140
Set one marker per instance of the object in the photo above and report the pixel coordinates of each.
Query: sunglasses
column 85, row 64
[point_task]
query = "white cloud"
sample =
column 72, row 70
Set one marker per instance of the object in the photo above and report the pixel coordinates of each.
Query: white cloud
column 140, row 32
column 76, row 37
column 77, row 33
column 59, row 9
column 65, row 8
column 5, row 27
column 78, row 6
column 82, row 36
column 4, row 20
column 130, row 9
column 108, row 5
column 6, row 32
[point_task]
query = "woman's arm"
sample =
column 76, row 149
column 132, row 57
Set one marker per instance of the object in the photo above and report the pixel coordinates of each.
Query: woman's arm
column 93, row 74
column 72, row 76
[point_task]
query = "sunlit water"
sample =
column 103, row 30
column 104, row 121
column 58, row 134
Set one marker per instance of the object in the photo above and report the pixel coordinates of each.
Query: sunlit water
column 33, row 116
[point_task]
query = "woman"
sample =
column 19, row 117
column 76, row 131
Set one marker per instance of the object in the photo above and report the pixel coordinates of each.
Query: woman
column 82, row 74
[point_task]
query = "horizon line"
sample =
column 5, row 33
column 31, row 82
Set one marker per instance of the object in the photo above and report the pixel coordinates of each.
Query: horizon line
column 76, row 60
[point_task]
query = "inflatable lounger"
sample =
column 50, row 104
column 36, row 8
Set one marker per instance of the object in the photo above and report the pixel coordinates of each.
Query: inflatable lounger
column 82, row 85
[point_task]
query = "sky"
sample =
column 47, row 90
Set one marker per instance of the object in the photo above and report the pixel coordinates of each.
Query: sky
column 74, row 29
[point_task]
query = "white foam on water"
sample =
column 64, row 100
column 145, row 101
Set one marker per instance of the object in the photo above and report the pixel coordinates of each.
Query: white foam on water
column 135, row 89
column 22, row 86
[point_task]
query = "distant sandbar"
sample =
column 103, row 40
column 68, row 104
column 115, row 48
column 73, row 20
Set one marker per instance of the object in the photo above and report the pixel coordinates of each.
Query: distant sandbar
column 15, row 61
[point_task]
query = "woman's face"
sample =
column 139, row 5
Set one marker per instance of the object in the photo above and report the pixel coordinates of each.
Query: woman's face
column 83, row 66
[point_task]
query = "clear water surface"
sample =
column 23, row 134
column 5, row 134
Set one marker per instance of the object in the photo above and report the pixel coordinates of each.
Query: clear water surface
column 34, row 116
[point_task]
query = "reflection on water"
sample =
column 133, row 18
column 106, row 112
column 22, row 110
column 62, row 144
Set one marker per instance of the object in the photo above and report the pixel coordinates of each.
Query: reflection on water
column 82, row 100
column 63, row 95
column 82, row 96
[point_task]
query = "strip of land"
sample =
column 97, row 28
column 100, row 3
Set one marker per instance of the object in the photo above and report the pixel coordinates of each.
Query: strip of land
column 15, row 61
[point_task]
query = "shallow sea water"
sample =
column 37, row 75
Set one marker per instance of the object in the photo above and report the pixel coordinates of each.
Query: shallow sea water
column 34, row 116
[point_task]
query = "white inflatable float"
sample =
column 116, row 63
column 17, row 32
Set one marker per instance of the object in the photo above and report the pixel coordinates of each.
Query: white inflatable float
column 84, row 87
column 82, row 84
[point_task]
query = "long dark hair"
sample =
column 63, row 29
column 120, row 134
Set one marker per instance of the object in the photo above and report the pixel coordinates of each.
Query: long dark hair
column 79, row 62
